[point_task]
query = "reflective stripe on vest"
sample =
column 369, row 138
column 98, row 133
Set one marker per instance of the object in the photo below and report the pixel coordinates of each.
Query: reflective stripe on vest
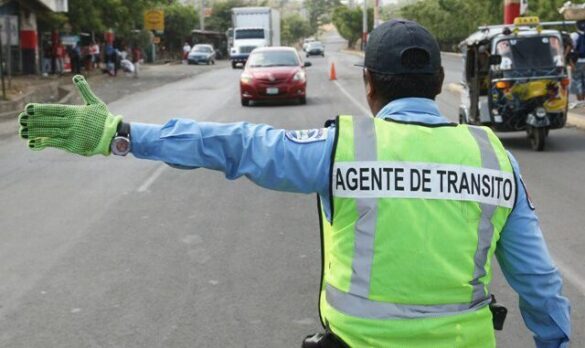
column 486, row 229
column 364, row 308
column 356, row 301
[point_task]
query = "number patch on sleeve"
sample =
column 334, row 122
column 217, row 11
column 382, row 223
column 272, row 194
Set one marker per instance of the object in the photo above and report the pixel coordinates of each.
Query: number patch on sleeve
column 307, row 135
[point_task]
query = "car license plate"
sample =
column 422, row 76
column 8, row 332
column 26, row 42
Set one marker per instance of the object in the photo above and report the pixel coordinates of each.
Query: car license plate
column 271, row 90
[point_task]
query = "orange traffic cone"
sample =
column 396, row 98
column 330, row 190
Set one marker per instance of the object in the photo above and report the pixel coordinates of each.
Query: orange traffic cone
column 332, row 75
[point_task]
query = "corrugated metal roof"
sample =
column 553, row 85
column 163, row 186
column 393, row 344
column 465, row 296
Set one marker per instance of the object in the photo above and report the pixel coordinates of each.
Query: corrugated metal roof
column 55, row 5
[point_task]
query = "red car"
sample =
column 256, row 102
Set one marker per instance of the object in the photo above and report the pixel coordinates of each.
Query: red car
column 273, row 73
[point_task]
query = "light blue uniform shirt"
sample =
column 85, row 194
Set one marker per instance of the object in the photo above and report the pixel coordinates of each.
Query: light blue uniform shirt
column 296, row 161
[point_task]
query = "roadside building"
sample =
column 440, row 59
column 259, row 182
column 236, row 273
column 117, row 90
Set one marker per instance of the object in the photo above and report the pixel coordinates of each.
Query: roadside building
column 19, row 21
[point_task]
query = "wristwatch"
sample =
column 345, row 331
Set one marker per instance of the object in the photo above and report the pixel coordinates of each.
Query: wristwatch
column 121, row 142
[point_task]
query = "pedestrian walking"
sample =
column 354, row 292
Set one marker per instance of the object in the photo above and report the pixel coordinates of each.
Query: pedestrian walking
column 87, row 58
column 186, row 50
column 136, row 58
column 94, row 50
column 47, row 58
column 578, row 64
column 59, row 58
column 110, row 59
column 75, row 55
column 412, row 205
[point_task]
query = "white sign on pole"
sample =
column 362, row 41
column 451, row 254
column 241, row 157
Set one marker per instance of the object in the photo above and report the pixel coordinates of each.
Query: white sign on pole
column 523, row 7
column 9, row 30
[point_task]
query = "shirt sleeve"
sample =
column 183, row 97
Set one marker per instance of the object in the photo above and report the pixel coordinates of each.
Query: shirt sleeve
column 272, row 158
column 529, row 269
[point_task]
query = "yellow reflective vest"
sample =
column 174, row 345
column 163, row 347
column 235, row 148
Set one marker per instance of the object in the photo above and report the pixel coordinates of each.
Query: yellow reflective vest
column 416, row 211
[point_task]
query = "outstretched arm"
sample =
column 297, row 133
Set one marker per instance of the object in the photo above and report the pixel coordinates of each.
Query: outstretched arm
column 294, row 161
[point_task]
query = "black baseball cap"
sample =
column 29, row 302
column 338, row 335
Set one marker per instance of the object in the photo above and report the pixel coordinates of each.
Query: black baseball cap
column 402, row 47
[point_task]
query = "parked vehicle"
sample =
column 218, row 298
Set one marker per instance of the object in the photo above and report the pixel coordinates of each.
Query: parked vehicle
column 516, row 79
column 306, row 43
column 201, row 53
column 315, row 48
column 253, row 27
column 219, row 41
column 274, row 73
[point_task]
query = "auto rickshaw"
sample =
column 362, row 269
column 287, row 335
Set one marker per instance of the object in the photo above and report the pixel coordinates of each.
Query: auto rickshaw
column 516, row 79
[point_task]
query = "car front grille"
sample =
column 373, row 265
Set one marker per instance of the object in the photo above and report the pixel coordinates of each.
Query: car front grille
column 272, row 82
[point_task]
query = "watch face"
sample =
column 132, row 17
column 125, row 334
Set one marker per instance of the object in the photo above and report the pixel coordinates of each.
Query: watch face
column 120, row 146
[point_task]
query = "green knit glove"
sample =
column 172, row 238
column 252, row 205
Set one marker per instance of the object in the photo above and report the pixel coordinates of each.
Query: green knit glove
column 82, row 129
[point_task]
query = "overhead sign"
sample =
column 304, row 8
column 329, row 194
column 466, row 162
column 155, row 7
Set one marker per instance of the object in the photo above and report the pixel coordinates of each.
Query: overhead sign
column 154, row 20
column 69, row 40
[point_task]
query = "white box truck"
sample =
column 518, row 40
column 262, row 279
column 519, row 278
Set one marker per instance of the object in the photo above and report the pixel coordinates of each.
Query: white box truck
column 253, row 27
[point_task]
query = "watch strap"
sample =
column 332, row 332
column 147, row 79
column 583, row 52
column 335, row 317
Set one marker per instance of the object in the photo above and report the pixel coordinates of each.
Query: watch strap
column 123, row 129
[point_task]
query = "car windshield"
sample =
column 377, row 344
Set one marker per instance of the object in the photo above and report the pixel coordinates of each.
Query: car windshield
column 315, row 45
column 273, row 58
column 205, row 49
column 531, row 56
column 250, row 34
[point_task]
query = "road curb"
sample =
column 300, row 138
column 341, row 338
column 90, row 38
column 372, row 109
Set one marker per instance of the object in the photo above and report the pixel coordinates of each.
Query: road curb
column 67, row 93
column 452, row 54
column 353, row 52
column 573, row 119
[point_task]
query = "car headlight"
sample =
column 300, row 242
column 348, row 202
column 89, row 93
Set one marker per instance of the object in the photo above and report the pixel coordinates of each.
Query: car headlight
column 299, row 76
column 246, row 78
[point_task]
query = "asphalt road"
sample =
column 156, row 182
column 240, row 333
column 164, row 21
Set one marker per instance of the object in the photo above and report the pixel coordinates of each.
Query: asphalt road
column 119, row 252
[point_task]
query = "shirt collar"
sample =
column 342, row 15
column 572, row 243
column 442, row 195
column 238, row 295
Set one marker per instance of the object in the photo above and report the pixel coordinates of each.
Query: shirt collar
column 421, row 110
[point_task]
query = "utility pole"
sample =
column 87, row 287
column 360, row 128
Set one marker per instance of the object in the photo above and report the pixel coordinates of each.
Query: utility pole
column 365, row 25
column 1, row 63
column 376, row 13
column 511, row 10
column 202, row 15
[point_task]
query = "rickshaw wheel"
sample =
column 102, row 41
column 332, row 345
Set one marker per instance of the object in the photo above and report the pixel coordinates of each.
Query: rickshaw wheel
column 537, row 138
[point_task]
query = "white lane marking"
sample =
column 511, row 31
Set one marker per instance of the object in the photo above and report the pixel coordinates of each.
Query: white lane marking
column 568, row 273
column 152, row 178
column 352, row 99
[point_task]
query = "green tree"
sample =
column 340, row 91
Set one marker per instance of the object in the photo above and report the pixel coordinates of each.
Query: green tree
column 349, row 23
column 319, row 12
column 221, row 18
column 546, row 10
column 180, row 20
column 451, row 21
column 294, row 27
column 122, row 16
